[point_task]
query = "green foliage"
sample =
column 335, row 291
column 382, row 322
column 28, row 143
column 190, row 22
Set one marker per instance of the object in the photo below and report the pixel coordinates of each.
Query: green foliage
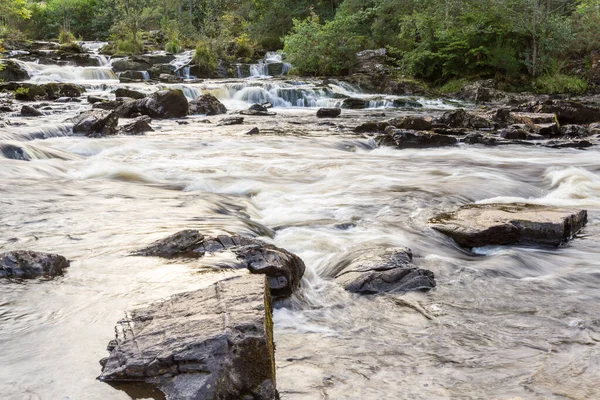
column 128, row 46
column 173, row 46
column 453, row 86
column 559, row 84
column 65, row 36
column 204, row 57
column 243, row 47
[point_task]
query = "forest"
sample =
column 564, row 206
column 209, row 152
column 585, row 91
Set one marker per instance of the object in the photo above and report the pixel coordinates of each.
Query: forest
column 437, row 41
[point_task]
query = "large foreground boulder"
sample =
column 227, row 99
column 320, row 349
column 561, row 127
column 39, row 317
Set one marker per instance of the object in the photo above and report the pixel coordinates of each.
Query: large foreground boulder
column 328, row 112
column 211, row 344
column 477, row 225
column 207, row 104
column 410, row 139
column 12, row 71
column 137, row 126
column 283, row 269
column 96, row 123
column 31, row 264
column 384, row 270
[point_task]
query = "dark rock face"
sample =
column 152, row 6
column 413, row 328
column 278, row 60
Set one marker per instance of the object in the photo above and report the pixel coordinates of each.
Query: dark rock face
column 328, row 112
column 13, row 152
column 574, row 131
column 130, row 65
column 169, row 78
column 231, row 121
column 11, row 71
column 214, row 343
column 257, row 113
column 207, row 104
column 162, row 104
column 388, row 270
column 132, row 94
column 482, row 91
column 283, row 269
column 478, row 225
column 158, row 69
column 46, row 91
column 463, row 119
column 253, row 131
column 412, row 123
column 138, row 126
column 355, row 104
column 567, row 112
column 407, row 139
column 31, row 264
column 478, row 138
column 371, row 126
column 96, row 123
column 131, row 76
column 29, row 111
column 96, row 99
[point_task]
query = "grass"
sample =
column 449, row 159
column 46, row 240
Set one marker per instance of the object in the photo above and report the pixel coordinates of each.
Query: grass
column 453, row 86
column 559, row 84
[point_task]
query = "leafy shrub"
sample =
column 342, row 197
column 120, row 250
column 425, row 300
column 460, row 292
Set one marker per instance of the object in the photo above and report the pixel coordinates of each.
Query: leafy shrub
column 453, row 86
column 559, row 84
column 243, row 47
column 65, row 36
column 128, row 46
column 204, row 57
column 173, row 46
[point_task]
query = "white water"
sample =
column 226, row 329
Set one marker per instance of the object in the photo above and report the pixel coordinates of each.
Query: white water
column 508, row 323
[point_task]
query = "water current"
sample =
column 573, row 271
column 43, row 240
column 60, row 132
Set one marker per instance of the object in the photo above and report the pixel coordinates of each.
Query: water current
column 503, row 323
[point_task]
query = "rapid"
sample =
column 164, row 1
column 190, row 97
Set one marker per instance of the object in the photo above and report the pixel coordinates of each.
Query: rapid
column 503, row 323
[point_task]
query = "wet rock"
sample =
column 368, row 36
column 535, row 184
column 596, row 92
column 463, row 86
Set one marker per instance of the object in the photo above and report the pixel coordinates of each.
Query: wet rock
column 126, row 64
column 13, row 152
column 48, row 91
column 371, row 126
column 283, row 269
column 214, row 343
column 131, row 76
column 389, row 270
column 163, row 104
column 594, row 129
column 567, row 111
column 407, row 139
column 328, row 112
column 575, row 144
column 275, row 68
column 137, row 126
column 31, row 264
column 463, row 119
column 231, row 121
column 258, row 113
column 550, row 129
column 483, row 91
column 479, row 138
column 478, row 225
column 158, row 69
column 67, row 100
column 169, row 78
column 207, row 104
column 575, row 131
column 407, row 103
column 257, row 107
column 96, row 99
column 253, row 131
column 132, row 94
column 355, row 104
column 152, row 59
column 12, row 71
column 412, row 123
column 96, row 123
column 29, row 111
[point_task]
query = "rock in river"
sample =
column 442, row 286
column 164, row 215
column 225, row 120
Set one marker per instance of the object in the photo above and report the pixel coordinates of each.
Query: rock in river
column 207, row 104
column 96, row 123
column 407, row 139
column 214, row 343
column 477, row 225
column 328, row 112
column 388, row 270
column 31, row 264
column 283, row 269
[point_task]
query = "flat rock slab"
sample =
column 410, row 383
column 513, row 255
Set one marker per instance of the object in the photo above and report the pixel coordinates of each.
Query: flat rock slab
column 31, row 264
column 478, row 225
column 283, row 269
column 214, row 343
column 389, row 270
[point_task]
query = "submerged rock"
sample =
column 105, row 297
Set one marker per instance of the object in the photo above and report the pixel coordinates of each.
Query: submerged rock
column 408, row 139
column 31, row 264
column 214, row 343
column 29, row 111
column 328, row 112
column 137, row 126
column 231, row 121
column 283, row 269
column 207, row 104
column 13, row 152
column 132, row 94
column 96, row 123
column 389, row 270
column 478, row 225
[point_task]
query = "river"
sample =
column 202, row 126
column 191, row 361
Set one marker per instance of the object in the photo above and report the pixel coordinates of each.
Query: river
column 505, row 323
